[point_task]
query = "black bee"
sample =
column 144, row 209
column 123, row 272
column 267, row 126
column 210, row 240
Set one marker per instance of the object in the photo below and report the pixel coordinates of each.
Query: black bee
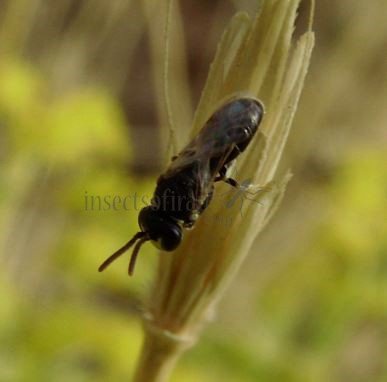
column 184, row 191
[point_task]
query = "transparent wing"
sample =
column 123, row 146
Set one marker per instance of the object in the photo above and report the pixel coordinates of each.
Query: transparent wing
column 231, row 127
column 234, row 123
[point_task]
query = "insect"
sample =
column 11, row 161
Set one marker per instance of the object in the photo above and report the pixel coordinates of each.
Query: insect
column 186, row 188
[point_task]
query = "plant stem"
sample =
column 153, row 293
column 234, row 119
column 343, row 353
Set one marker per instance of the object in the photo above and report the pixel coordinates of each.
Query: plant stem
column 159, row 354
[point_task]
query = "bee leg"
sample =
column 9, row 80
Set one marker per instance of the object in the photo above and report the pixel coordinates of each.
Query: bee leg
column 223, row 177
column 190, row 222
column 206, row 202
column 232, row 182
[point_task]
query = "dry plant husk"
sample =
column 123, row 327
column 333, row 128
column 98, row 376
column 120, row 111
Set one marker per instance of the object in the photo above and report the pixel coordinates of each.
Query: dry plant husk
column 255, row 57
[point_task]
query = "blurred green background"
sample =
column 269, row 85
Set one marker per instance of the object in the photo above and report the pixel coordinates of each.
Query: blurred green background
column 82, row 114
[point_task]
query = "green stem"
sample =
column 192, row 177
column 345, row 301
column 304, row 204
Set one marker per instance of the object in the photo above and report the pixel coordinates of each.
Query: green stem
column 159, row 354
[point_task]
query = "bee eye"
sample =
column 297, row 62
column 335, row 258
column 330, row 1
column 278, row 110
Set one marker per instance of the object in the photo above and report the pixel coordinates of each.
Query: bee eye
column 171, row 237
column 164, row 232
column 169, row 240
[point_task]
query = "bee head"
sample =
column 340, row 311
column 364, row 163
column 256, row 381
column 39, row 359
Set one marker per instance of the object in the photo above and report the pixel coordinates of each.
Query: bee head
column 164, row 232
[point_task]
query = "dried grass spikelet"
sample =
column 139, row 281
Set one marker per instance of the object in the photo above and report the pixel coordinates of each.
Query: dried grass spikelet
column 254, row 57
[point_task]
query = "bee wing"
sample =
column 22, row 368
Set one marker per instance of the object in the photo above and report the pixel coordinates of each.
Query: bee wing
column 190, row 155
column 233, row 123
column 215, row 140
column 231, row 126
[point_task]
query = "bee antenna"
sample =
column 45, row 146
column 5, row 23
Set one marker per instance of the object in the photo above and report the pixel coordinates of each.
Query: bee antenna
column 133, row 258
column 118, row 253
